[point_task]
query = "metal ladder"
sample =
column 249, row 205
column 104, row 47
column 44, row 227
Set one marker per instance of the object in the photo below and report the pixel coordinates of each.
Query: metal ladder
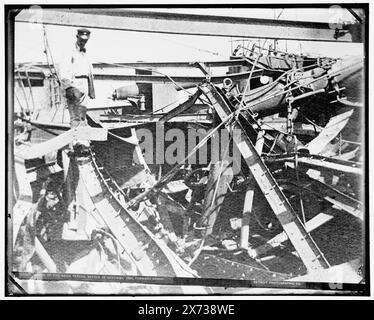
column 308, row 251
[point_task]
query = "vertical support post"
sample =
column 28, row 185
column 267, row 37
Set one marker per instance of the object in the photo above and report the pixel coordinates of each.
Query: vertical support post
column 247, row 212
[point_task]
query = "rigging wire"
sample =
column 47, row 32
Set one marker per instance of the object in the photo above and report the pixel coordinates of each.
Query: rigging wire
column 280, row 13
column 194, row 47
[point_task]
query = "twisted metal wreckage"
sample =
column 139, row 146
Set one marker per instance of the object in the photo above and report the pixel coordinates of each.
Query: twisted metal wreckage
column 274, row 220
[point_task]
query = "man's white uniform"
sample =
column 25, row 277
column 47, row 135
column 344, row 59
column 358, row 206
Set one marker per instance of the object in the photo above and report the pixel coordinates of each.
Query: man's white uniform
column 77, row 80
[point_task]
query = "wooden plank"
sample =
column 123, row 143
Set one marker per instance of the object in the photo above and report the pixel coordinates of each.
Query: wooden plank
column 41, row 149
column 329, row 132
column 325, row 164
column 89, row 133
column 320, row 163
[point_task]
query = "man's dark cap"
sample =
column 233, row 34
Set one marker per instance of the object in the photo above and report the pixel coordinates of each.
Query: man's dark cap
column 83, row 33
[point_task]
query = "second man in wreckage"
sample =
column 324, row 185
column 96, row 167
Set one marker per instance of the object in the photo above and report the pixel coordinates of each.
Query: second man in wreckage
column 76, row 75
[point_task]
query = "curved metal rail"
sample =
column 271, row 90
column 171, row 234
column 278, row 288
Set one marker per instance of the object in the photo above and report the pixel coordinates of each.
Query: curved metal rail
column 150, row 255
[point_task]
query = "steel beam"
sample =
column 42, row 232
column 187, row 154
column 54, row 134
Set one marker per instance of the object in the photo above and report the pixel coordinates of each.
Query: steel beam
column 189, row 24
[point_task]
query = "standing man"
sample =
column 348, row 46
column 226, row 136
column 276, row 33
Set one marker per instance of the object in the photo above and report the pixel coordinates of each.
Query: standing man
column 77, row 83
